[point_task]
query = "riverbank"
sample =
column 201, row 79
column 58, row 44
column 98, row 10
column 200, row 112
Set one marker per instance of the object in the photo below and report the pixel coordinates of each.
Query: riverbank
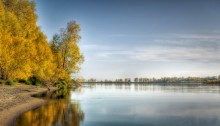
column 15, row 100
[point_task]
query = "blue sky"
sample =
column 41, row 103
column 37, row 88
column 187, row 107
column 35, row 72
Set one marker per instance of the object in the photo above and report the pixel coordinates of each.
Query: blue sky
column 140, row 38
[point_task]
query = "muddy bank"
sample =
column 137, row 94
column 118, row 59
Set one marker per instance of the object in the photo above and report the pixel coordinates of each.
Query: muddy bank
column 15, row 100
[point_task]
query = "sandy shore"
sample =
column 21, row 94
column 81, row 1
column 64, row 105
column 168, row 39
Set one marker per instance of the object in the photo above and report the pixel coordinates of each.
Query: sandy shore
column 15, row 100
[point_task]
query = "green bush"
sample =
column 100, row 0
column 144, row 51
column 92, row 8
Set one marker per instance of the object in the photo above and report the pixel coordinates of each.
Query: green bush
column 16, row 80
column 10, row 82
column 31, row 81
column 28, row 82
column 61, row 84
column 58, row 82
column 24, row 81
column 21, row 80
column 62, row 88
column 34, row 81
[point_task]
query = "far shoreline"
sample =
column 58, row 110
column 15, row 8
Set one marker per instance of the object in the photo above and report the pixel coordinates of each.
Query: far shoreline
column 16, row 100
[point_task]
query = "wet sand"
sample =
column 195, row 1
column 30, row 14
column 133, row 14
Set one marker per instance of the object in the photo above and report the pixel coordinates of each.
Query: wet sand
column 15, row 100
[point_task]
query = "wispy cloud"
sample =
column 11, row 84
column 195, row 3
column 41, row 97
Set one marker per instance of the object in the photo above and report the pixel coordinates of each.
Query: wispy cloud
column 188, row 40
column 170, row 48
column 162, row 54
column 198, row 54
column 198, row 36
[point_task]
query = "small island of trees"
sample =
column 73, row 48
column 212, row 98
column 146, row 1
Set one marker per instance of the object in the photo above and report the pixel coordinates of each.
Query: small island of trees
column 206, row 80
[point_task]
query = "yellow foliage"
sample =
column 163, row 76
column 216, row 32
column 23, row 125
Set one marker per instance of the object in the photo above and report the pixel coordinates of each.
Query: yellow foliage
column 24, row 50
column 43, row 59
column 2, row 12
column 66, row 51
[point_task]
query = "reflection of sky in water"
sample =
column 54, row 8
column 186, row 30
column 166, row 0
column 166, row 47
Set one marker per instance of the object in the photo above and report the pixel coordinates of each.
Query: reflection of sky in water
column 149, row 105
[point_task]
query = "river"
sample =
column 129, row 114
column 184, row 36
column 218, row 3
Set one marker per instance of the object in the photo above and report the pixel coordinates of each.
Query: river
column 130, row 105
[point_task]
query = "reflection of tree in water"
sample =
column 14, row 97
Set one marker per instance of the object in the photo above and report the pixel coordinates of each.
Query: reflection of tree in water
column 57, row 112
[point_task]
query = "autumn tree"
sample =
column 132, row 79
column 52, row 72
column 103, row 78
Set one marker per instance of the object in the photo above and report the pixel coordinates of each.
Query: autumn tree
column 24, row 51
column 66, row 51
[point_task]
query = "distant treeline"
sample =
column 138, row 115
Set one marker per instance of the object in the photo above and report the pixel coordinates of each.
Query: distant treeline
column 213, row 79
column 26, row 54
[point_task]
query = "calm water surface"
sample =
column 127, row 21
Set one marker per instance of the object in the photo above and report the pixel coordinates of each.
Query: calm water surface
column 130, row 105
